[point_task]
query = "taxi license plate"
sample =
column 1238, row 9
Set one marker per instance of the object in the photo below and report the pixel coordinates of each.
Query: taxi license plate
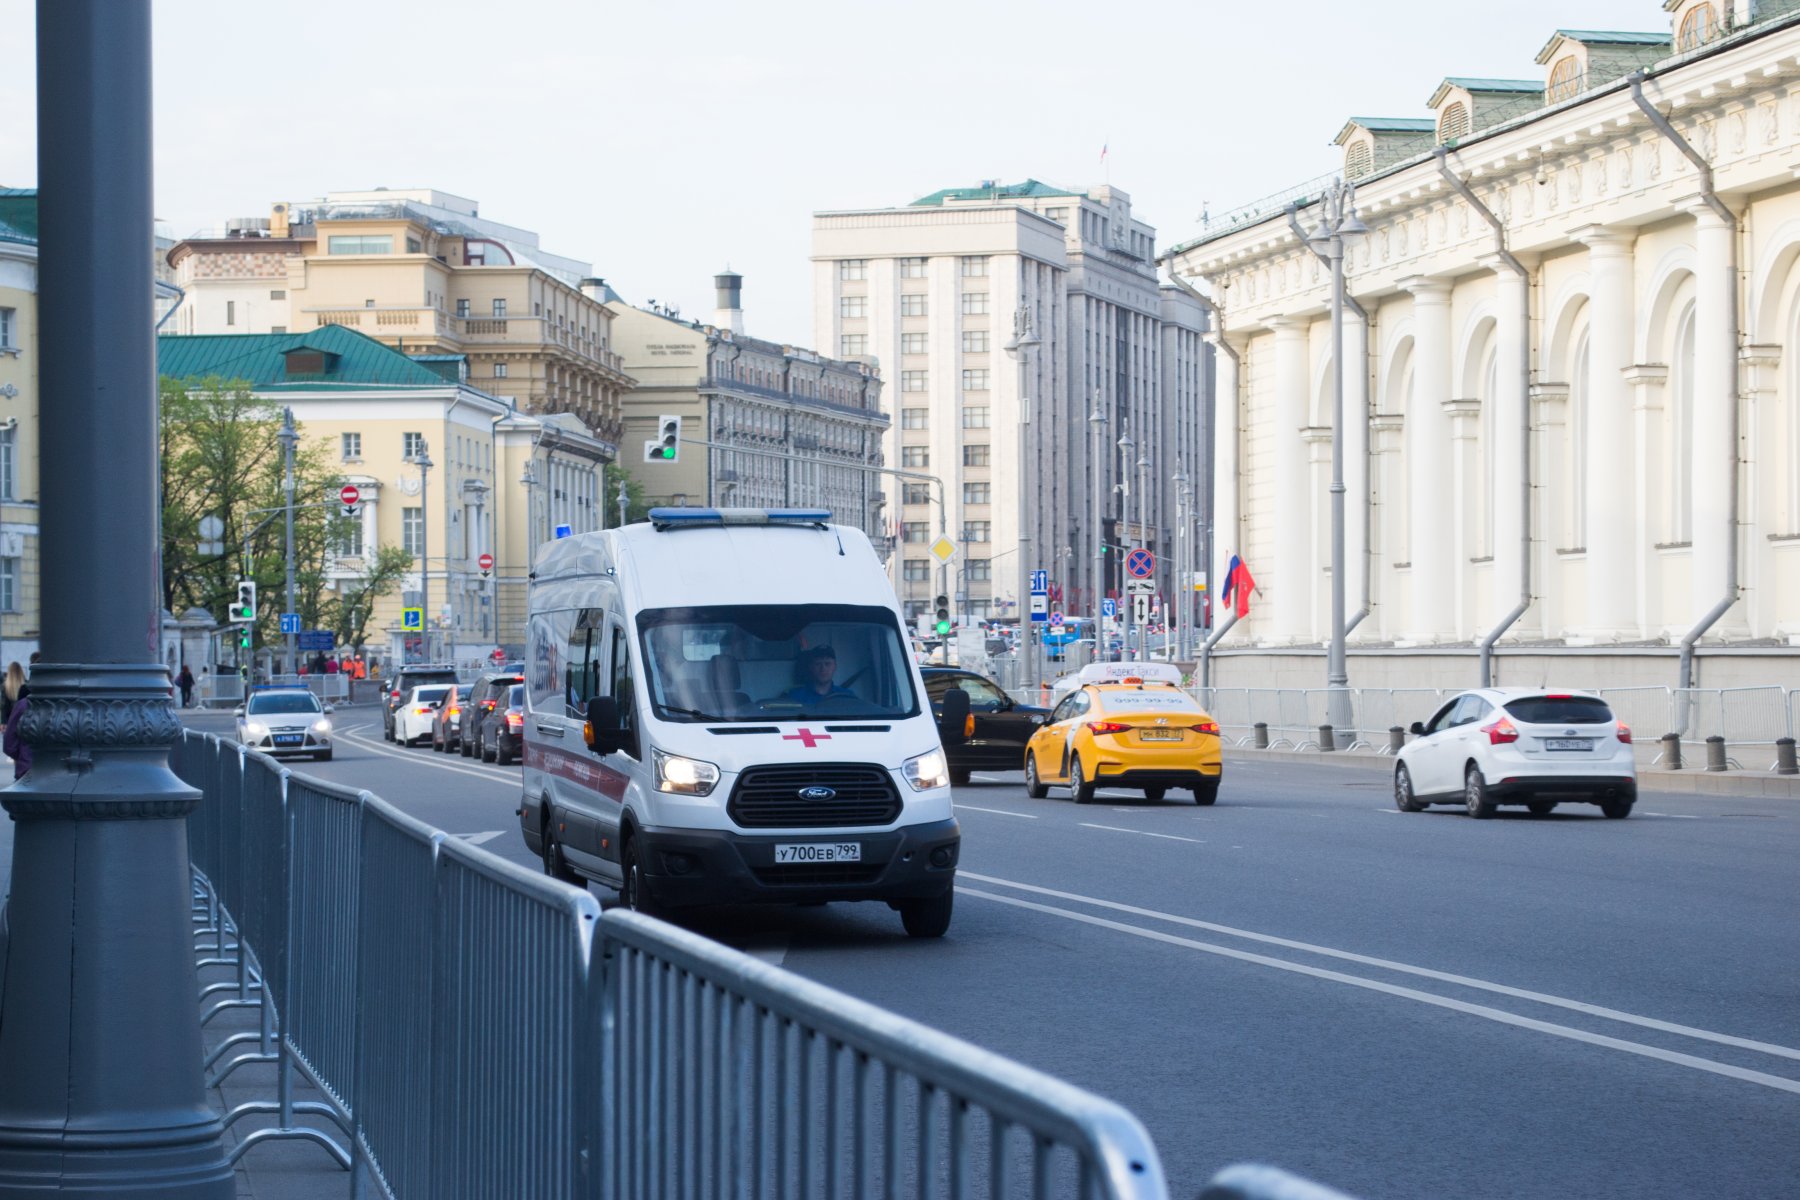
column 1160, row 735
column 819, row 852
column 1567, row 743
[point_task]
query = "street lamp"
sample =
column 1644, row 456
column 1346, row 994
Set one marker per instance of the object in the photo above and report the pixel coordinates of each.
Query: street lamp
column 1126, row 446
column 1143, row 506
column 422, row 460
column 1339, row 226
column 289, row 437
column 1097, row 426
column 1183, row 552
column 529, row 481
column 1024, row 339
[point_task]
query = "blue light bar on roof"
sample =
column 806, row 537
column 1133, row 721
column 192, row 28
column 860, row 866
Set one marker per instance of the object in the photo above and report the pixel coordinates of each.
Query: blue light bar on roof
column 693, row 518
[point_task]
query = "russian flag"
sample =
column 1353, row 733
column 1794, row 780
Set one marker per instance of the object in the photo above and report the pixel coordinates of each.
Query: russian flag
column 1239, row 583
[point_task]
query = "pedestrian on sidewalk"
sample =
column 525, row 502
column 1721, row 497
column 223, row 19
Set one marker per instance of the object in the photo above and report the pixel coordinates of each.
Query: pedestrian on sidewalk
column 9, row 692
column 13, row 744
column 185, row 681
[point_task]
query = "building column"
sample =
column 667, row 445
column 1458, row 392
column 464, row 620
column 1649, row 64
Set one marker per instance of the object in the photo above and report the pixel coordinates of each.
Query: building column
column 1430, row 544
column 1715, row 473
column 1646, row 381
column 1550, row 414
column 1464, row 419
column 1766, row 476
column 1609, row 458
column 1292, row 526
column 1357, row 483
column 1226, row 414
column 1511, row 344
column 1387, row 443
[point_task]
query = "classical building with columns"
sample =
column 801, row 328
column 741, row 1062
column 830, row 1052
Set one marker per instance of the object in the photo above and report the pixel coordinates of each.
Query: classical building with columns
column 1571, row 399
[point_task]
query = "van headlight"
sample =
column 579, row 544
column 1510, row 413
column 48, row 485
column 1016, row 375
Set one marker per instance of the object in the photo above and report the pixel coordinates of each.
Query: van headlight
column 927, row 771
column 684, row 776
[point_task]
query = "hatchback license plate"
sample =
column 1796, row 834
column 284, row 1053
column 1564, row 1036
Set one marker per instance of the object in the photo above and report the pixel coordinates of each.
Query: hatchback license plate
column 1567, row 743
column 289, row 739
column 1159, row 735
column 818, row 852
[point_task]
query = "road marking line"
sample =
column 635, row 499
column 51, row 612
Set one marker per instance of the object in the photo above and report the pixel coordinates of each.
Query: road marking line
column 987, row 779
column 492, row 775
column 1142, row 832
column 1386, row 964
column 1671, row 816
column 998, row 811
column 476, row 839
column 1500, row 1016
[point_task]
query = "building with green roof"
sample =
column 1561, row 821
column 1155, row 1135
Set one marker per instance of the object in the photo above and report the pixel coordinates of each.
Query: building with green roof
column 18, row 424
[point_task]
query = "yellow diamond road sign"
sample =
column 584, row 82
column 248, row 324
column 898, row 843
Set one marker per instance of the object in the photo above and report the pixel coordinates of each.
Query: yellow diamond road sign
column 944, row 548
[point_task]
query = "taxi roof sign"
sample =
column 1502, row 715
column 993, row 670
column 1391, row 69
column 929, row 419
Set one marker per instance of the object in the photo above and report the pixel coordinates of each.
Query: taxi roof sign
column 1133, row 672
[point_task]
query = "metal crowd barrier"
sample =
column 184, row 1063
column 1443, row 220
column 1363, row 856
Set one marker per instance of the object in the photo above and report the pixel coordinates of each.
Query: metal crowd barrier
column 218, row 691
column 480, row 1030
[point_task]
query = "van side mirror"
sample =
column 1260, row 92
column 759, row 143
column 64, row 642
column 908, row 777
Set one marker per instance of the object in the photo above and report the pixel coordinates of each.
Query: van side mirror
column 603, row 732
column 953, row 723
column 1418, row 728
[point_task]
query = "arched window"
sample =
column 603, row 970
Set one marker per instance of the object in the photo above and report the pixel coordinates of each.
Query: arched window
column 1698, row 27
column 1453, row 122
column 1359, row 160
column 1580, row 394
column 1565, row 79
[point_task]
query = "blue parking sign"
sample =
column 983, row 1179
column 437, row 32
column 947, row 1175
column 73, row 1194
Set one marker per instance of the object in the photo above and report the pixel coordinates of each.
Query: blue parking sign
column 1109, row 607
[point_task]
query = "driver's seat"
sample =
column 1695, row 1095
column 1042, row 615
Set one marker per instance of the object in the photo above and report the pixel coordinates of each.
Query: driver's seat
column 727, row 697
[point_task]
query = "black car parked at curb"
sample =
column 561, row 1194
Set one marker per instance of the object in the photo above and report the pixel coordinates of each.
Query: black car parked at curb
column 1002, row 725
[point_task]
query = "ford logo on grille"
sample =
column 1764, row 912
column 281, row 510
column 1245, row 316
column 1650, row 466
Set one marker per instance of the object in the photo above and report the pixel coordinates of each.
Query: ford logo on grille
column 818, row 793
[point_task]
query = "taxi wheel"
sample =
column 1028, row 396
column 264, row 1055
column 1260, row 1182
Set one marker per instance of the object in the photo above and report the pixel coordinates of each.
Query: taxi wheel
column 1036, row 788
column 1155, row 794
column 1081, row 787
column 1206, row 793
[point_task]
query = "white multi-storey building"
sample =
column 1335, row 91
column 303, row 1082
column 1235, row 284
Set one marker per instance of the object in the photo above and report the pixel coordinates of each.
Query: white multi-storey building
column 1571, row 426
column 937, row 292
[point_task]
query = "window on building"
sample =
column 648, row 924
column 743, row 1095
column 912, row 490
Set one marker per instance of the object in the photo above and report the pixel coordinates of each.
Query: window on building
column 278, row 293
column 1057, row 214
column 974, row 266
column 359, row 244
column 853, row 345
column 1565, row 79
column 974, row 304
column 915, row 493
column 915, row 456
column 231, row 312
column 9, row 325
column 278, row 329
column 853, row 306
column 413, row 246
column 916, row 532
column 977, row 531
column 914, row 343
column 347, row 539
column 1698, row 27
column 9, row 464
column 979, row 570
column 975, row 341
column 352, row 446
column 978, row 493
column 917, row 570
column 9, row 585
column 412, row 531
column 975, row 456
column 500, row 307
column 412, row 445
column 975, row 416
column 914, row 418
column 462, row 308
column 1453, row 122
column 500, row 370
column 912, row 268
column 975, row 379
column 912, row 304
column 853, row 268
column 1359, row 160
column 915, row 381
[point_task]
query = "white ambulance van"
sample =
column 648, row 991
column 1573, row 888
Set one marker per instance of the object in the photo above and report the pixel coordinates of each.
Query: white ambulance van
column 721, row 708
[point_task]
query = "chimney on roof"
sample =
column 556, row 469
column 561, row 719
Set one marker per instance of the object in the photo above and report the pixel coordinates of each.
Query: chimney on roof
column 730, row 311
column 594, row 288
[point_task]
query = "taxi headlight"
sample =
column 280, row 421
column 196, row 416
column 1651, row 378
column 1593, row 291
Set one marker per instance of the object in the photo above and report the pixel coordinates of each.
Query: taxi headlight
column 255, row 729
column 927, row 771
column 684, row 776
column 322, row 725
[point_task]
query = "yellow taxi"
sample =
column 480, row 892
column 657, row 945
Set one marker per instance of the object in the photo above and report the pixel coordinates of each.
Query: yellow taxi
column 1126, row 725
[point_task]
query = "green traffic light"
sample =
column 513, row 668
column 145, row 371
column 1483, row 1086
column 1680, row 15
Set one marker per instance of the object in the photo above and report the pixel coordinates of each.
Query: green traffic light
column 943, row 627
column 668, row 452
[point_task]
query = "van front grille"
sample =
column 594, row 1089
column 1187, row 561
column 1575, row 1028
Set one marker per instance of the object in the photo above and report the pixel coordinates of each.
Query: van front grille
column 769, row 797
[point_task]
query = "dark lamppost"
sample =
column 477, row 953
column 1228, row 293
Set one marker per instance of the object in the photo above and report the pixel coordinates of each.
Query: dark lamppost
column 100, row 1022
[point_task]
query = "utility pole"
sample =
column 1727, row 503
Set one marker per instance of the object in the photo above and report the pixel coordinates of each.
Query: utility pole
column 623, row 502
column 1097, row 463
column 289, row 438
column 422, row 460
column 1128, row 542
column 100, row 1048
column 1025, row 339
column 1143, row 513
column 1183, row 548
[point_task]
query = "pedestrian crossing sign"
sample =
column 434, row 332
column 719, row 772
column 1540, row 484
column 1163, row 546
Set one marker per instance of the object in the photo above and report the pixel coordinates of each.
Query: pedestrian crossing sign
column 412, row 620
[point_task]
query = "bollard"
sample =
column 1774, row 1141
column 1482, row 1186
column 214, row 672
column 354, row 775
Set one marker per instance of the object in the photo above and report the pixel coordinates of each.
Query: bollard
column 1671, row 752
column 1260, row 730
column 1396, row 738
column 1715, row 753
column 1327, row 743
column 1784, row 757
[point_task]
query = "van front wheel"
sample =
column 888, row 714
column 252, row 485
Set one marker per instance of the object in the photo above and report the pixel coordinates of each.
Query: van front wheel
column 928, row 918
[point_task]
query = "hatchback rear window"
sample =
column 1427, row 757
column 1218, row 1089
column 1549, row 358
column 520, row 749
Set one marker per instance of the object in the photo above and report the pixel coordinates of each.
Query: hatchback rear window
column 1560, row 710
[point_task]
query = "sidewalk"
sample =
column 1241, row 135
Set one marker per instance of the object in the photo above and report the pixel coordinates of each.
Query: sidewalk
column 1650, row 779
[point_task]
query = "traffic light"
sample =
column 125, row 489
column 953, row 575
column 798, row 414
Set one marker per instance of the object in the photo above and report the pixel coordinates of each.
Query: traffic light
column 666, row 445
column 244, row 638
column 244, row 610
column 943, row 615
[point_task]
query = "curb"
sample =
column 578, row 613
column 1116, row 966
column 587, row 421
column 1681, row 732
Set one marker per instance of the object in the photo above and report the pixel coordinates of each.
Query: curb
column 1698, row 783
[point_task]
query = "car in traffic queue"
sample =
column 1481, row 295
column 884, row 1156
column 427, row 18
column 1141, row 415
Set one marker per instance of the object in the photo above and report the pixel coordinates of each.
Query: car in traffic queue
column 397, row 689
column 1531, row 746
column 503, row 732
column 285, row 722
column 490, row 689
column 1126, row 725
column 417, row 714
column 447, row 722
column 997, row 729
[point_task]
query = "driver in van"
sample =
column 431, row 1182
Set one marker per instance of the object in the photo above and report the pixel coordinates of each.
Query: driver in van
column 817, row 665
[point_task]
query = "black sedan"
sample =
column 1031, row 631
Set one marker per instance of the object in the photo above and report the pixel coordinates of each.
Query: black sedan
column 1002, row 724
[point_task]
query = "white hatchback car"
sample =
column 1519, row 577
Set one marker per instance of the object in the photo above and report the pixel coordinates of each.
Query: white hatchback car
column 417, row 713
column 1529, row 746
column 284, row 721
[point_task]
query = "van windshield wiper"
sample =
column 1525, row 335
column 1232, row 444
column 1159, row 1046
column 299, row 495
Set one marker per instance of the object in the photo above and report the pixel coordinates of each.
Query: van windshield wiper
column 691, row 712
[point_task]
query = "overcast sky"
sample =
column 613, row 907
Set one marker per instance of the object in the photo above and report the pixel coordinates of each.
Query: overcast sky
column 662, row 141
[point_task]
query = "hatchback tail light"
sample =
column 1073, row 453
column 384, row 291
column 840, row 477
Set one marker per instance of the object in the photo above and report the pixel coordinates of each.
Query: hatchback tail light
column 1624, row 732
column 1108, row 726
column 1501, row 732
column 515, row 721
column 1211, row 727
column 423, row 710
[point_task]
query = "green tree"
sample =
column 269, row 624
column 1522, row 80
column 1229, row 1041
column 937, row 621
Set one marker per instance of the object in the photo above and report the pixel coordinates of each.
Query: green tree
column 637, row 502
column 349, row 612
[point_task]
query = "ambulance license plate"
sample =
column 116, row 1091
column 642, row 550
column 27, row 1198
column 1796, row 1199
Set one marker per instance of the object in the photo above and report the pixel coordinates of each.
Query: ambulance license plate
column 818, row 852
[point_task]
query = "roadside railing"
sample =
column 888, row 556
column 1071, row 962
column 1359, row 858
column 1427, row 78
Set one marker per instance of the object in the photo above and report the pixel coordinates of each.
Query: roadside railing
column 479, row 1030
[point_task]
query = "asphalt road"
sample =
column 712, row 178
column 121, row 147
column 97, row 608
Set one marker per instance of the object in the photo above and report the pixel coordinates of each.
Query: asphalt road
column 1401, row 1005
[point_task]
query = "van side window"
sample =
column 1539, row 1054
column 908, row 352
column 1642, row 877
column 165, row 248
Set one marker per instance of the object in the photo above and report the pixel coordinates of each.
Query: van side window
column 546, row 657
column 585, row 661
column 623, row 690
